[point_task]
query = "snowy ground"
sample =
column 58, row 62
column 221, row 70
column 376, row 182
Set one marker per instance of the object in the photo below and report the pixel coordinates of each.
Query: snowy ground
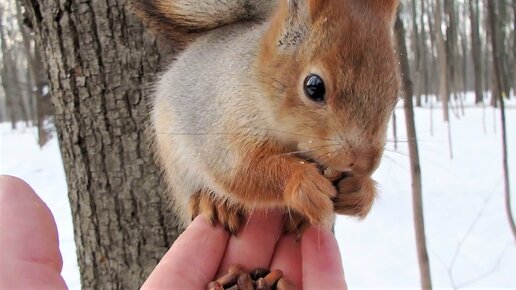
column 470, row 245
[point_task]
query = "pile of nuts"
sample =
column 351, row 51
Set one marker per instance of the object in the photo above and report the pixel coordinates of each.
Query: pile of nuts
column 258, row 279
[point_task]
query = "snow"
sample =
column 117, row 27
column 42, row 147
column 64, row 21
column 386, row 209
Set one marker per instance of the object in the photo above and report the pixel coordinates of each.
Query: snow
column 468, row 238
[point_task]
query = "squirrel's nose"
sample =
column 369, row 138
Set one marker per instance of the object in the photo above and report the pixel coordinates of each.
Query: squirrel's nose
column 365, row 161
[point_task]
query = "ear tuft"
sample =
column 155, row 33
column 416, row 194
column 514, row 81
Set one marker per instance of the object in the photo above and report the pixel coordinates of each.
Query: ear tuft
column 295, row 23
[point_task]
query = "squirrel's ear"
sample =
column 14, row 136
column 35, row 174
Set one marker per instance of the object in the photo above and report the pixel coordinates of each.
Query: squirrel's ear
column 386, row 8
column 294, row 15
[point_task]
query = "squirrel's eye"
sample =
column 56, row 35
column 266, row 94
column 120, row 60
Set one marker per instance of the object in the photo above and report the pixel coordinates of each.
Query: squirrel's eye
column 314, row 88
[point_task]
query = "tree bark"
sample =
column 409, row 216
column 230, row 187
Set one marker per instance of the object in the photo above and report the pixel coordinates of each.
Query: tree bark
column 417, row 196
column 100, row 62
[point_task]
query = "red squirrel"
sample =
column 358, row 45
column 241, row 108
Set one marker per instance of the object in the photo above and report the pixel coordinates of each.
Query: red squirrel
column 274, row 105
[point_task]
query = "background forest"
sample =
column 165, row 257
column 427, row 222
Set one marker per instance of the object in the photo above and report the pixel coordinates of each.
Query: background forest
column 458, row 59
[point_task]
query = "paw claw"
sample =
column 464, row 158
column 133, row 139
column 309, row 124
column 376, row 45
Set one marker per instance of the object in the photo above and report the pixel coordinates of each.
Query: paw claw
column 229, row 216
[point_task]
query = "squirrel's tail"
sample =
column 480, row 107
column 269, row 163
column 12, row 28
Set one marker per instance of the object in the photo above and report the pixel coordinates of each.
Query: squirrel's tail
column 194, row 16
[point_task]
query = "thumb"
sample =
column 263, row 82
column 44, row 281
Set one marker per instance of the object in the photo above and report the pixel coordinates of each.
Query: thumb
column 30, row 257
column 322, row 264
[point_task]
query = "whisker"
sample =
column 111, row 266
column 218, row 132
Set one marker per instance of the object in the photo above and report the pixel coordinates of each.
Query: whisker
column 340, row 133
column 338, row 155
column 196, row 134
column 327, row 153
column 295, row 134
column 301, row 151
column 250, row 214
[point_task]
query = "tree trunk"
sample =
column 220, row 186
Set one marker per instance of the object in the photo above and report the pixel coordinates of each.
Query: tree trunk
column 417, row 53
column 476, row 49
column 433, row 45
column 31, row 75
column 15, row 71
column 487, row 51
column 444, row 91
column 10, row 100
column 464, row 61
column 514, row 48
column 423, row 49
column 417, row 197
column 100, row 62
column 451, row 46
column 37, row 81
column 498, row 72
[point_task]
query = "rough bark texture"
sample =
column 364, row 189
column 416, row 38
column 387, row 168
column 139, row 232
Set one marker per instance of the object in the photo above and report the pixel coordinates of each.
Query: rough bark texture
column 100, row 62
column 417, row 196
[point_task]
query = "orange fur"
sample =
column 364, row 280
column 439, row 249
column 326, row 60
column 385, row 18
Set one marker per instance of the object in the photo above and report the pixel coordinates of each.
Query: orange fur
column 355, row 196
column 353, row 51
column 349, row 44
column 231, row 216
column 266, row 179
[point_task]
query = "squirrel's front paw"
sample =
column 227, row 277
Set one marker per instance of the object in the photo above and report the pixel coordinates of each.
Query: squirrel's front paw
column 355, row 196
column 310, row 194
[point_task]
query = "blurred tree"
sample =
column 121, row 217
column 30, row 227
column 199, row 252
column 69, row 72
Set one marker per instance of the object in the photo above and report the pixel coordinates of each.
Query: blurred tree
column 415, row 169
column 476, row 49
column 500, row 76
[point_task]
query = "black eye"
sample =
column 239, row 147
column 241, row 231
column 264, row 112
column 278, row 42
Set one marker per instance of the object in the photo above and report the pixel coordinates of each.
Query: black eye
column 314, row 88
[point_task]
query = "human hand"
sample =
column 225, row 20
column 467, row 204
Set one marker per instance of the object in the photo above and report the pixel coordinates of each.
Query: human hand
column 204, row 252
column 29, row 245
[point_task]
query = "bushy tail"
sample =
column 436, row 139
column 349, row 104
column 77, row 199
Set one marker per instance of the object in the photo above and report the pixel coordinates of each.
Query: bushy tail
column 194, row 16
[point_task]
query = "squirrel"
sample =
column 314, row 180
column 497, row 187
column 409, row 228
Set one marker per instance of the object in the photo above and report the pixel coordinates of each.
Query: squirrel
column 274, row 105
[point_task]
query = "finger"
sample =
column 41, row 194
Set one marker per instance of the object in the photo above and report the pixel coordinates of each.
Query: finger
column 255, row 243
column 287, row 258
column 28, row 238
column 193, row 259
column 322, row 264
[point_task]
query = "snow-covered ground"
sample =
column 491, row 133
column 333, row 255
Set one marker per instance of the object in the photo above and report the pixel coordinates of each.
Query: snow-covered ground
column 469, row 241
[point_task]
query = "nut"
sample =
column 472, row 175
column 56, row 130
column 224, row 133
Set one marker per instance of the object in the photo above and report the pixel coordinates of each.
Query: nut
column 228, row 280
column 284, row 284
column 259, row 279
column 244, row 282
column 259, row 273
